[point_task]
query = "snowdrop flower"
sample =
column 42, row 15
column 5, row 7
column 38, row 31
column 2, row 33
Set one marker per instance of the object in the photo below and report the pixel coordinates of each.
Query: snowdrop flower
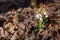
column 39, row 16
column 41, row 19
column 45, row 13
column 46, row 16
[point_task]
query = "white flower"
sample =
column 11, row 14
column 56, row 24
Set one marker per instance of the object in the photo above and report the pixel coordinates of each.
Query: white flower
column 41, row 19
column 39, row 16
column 46, row 15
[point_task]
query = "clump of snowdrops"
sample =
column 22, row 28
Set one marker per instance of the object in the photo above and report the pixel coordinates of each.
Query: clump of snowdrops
column 42, row 17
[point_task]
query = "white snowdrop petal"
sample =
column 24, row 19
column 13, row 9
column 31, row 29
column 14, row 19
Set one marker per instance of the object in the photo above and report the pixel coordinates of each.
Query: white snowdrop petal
column 41, row 19
column 46, row 16
column 45, row 13
column 38, row 16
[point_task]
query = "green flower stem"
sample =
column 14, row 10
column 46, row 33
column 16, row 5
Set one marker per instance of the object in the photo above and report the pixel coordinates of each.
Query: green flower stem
column 41, row 24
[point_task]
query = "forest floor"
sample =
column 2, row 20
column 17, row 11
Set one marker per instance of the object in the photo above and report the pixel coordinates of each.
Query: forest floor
column 19, row 23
